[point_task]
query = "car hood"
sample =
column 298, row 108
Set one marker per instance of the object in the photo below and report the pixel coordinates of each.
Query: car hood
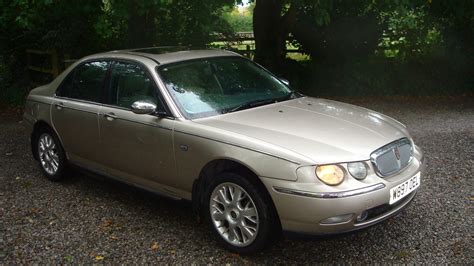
column 322, row 130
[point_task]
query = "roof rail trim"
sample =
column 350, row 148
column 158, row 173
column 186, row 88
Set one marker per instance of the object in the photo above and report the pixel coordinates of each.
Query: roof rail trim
column 142, row 55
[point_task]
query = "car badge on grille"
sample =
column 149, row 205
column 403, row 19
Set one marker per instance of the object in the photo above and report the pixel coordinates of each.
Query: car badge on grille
column 397, row 153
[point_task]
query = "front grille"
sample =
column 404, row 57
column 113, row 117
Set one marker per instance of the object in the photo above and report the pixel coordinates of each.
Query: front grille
column 392, row 158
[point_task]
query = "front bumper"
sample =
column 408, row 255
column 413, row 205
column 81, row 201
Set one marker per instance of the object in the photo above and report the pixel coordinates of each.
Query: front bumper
column 302, row 211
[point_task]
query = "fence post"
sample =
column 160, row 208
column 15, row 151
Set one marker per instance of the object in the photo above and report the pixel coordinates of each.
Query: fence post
column 54, row 63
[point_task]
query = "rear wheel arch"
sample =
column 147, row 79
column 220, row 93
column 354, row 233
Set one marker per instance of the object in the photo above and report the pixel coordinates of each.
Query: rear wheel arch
column 212, row 170
column 53, row 160
column 37, row 128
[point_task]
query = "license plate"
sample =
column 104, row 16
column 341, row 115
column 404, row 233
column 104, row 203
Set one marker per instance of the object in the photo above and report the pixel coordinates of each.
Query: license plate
column 399, row 192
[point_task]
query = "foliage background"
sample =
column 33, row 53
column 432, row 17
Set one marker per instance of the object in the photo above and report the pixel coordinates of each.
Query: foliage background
column 359, row 47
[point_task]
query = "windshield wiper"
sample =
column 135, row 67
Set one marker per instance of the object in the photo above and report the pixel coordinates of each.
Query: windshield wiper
column 247, row 105
column 251, row 104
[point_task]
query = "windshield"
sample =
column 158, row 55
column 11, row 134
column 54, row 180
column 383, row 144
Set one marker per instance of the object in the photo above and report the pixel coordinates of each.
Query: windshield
column 212, row 86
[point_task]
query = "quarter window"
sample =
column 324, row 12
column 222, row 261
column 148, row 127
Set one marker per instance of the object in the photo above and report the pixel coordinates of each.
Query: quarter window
column 130, row 83
column 86, row 82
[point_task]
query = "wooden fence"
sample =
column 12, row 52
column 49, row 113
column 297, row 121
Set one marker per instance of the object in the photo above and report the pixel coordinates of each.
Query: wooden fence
column 46, row 65
column 245, row 41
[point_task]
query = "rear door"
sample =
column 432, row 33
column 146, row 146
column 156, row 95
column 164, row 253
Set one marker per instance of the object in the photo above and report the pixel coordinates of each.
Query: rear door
column 75, row 111
column 135, row 147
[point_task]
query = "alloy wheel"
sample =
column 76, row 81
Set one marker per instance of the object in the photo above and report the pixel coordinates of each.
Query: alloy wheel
column 234, row 214
column 48, row 154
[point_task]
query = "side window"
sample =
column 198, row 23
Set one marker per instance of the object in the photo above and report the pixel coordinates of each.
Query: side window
column 130, row 83
column 85, row 82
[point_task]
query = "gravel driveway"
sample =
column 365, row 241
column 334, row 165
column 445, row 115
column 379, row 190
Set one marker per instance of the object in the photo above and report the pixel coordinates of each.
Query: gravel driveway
column 86, row 220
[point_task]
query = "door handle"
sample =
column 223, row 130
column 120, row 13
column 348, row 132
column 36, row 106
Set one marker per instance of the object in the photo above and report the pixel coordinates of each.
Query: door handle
column 59, row 105
column 110, row 116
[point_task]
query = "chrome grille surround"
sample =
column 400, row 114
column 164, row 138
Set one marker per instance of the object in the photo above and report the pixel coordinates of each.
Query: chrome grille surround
column 392, row 158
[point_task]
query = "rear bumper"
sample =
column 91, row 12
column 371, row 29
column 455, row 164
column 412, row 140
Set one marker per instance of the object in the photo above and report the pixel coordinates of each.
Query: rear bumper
column 305, row 211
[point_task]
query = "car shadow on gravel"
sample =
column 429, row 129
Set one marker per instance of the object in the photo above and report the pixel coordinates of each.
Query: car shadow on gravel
column 180, row 212
column 101, row 186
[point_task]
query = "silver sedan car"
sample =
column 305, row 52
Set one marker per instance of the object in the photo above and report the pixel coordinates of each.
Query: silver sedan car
column 210, row 126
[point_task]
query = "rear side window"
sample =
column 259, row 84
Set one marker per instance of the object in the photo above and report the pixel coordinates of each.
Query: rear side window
column 85, row 82
column 129, row 83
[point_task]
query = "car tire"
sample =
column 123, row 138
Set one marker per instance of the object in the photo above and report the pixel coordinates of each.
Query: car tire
column 232, row 219
column 50, row 154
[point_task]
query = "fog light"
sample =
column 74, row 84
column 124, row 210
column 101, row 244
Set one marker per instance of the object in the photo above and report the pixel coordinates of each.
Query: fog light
column 362, row 216
column 338, row 219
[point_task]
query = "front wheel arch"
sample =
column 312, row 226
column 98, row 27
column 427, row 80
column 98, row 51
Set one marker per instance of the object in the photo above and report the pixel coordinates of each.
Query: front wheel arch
column 212, row 170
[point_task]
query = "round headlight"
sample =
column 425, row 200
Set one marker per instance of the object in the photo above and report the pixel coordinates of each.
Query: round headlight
column 358, row 170
column 330, row 174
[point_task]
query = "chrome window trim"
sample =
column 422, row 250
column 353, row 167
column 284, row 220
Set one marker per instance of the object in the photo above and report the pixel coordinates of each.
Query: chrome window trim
column 140, row 123
column 79, row 64
column 75, row 100
column 166, row 94
column 331, row 195
column 170, row 108
column 159, row 97
column 108, row 106
column 386, row 148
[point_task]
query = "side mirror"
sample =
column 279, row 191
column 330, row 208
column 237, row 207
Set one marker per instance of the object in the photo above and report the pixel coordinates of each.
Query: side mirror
column 285, row 81
column 143, row 107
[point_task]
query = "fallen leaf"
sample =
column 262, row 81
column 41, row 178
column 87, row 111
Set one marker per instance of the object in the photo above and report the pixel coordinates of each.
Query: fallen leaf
column 107, row 223
column 457, row 248
column 99, row 258
column 17, row 178
column 402, row 254
column 26, row 184
column 155, row 246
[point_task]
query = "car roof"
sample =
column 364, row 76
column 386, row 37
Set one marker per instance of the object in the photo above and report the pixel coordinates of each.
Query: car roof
column 171, row 54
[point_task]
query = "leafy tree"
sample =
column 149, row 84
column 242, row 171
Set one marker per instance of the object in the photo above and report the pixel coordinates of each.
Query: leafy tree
column 141, row 23
column 42, row 24
column 338, row 29
column 239, row 19
column 49, row 24
column 274, row 20
column 87, row 26
column 457, row 21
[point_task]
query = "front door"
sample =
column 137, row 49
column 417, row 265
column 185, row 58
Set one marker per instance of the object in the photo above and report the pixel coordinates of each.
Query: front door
column 136, row 148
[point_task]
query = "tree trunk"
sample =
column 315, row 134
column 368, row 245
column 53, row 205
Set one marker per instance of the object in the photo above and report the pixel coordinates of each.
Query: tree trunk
column 269, row 33
column 141, row 27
